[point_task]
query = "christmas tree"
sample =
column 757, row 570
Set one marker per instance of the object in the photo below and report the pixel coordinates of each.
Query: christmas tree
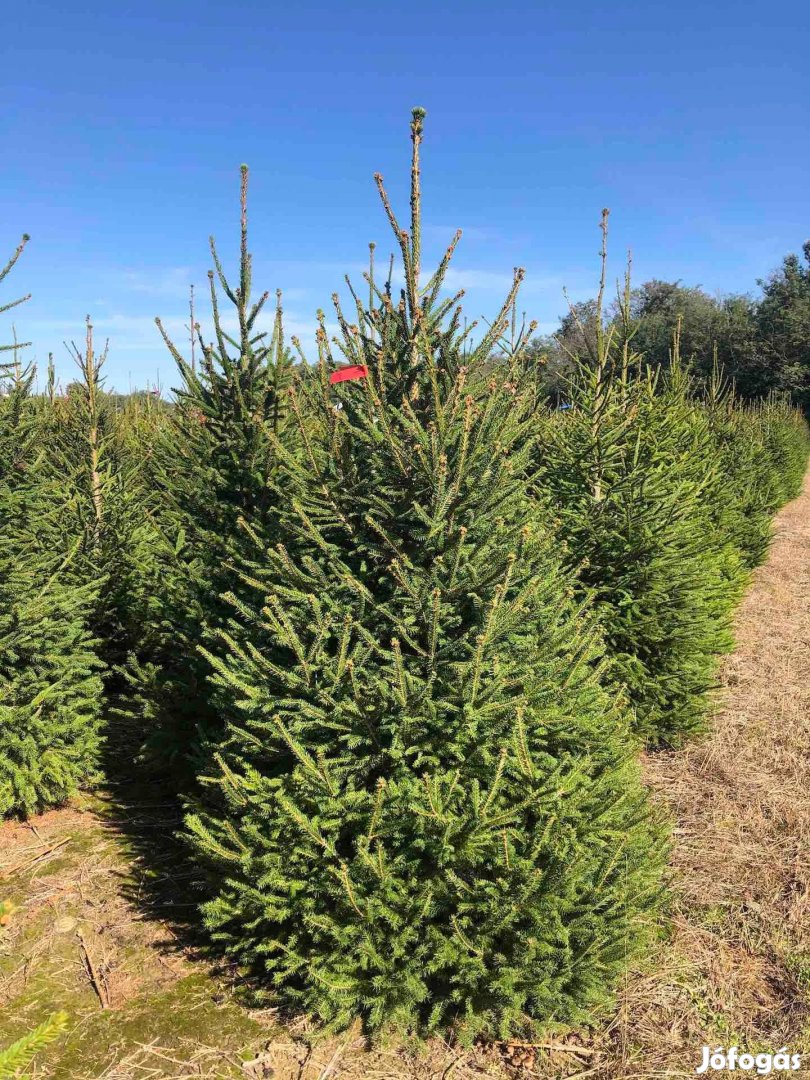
column 628, row 469
column 86, row 435
column 210, row 466
column 786, row 438
column 741, row 509
column 50, row 689
column 754, row 478
column 424, row 808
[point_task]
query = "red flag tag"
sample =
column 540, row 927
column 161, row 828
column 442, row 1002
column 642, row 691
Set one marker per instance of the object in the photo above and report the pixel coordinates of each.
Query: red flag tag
column 351, row 371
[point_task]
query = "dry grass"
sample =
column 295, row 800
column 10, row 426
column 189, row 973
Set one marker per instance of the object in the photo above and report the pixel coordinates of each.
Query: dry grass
column 735, row 969
column 737, row 966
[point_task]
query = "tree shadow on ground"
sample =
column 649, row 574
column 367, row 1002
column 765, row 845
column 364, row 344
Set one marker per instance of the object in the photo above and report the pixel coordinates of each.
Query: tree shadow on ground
column 144, row 804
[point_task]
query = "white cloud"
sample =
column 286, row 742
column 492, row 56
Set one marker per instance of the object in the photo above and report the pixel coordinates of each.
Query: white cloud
column 160, row 281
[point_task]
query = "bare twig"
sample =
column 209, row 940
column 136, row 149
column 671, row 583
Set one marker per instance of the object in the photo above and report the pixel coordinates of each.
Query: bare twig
column 96, row 979
column 568, row 1048
column 31, row 862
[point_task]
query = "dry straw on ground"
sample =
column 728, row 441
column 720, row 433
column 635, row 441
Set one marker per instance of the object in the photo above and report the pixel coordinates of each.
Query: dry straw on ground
column 737, row 969
column 87, row 933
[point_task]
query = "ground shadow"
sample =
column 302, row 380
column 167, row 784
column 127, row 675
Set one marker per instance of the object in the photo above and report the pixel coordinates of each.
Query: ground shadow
column 144, row 804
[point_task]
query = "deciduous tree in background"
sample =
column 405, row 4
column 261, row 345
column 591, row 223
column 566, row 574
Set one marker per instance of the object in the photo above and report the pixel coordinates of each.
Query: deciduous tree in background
column 783, row 325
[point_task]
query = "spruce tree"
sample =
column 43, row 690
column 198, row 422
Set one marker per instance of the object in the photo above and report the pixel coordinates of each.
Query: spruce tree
column 760, row 450
column 628, row 469
column 424, row 808
column 210, row 466
column 786, row 438
column 749, row 486
column 50, row 689
column 86, row 436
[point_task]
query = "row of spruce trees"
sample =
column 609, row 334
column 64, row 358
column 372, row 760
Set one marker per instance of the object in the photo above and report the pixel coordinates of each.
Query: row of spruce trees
column 395, row 641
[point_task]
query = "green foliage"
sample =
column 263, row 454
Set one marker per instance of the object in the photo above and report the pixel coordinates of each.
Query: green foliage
column 783, row 327
column 711, row 329
column 425, row 809
column 89, row 442
column 20, row 1054
column 50, row 689
column 396, row 639
column 211, row 466
column 628, row 468
column 227, row 416
column 786, row 440
column 762, row 451
column 666, row 488
column 761, row 343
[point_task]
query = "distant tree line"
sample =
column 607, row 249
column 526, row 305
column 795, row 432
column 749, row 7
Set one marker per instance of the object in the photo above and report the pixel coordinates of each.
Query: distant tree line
column 762, row 343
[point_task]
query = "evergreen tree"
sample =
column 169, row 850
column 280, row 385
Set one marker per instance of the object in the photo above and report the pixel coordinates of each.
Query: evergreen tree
column 86, row 436
column 742, row 495
column 627, row 468
column 786, row 438
column 762, row 449
column 50, row 690
column 711, row 329
column 424, row 808
column 210, row 466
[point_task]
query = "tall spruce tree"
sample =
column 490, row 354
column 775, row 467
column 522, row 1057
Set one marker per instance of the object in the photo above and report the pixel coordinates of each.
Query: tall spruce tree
column 86, row 437
column 50, row 689
column 424, row 809
column 211, row 466
column 628, row 469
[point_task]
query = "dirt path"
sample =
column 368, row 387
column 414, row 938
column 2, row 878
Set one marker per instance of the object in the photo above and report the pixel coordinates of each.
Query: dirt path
column 93, row 930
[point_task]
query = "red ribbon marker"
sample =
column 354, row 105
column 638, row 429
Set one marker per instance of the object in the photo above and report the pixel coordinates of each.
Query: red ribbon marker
column 346, row 374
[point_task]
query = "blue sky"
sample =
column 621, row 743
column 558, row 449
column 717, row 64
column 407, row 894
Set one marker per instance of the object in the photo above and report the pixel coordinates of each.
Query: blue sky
column 123, row 128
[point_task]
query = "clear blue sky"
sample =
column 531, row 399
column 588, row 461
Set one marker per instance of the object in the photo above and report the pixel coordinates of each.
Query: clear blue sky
column 124, row 125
